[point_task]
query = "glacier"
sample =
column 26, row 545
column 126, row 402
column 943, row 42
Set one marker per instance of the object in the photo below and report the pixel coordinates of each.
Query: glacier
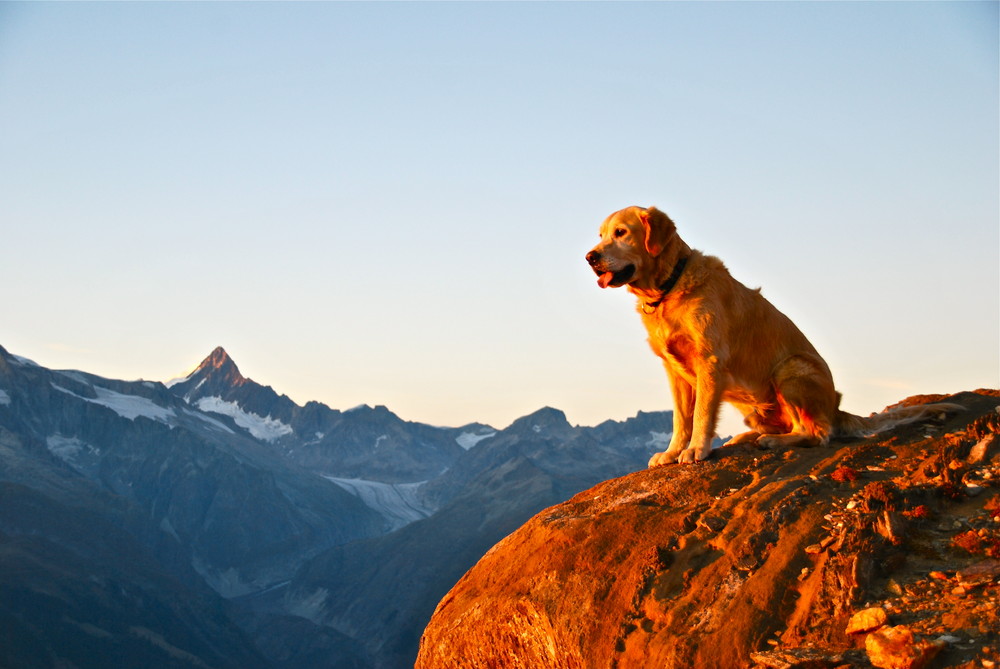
column 469, row 439
column 398, row 503
column 262, row 427
column 126, row 406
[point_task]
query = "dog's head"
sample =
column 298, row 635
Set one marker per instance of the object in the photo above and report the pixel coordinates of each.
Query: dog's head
column 631, row 241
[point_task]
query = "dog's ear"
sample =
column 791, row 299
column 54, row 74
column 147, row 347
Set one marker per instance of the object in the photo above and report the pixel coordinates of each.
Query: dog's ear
column 659, row 230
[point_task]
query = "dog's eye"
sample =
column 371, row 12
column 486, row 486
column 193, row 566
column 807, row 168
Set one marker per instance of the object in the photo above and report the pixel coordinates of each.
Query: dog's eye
column 620, row 232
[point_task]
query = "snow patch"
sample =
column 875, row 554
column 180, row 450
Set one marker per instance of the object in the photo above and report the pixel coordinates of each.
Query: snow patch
column 310, row 607
column 469, row 439
column 22, row 361
column 261, row 427
column 313, row 442
column 358, row 408
column 187, row 397
column 68, row 448
column 227, row 583
column 168, row 528
column 126, row 406
column 379, row 440
column 180, row 379
column 76, row 376
column 659, row 438
column 396, row 502
column 4, row 397
column 211, row 421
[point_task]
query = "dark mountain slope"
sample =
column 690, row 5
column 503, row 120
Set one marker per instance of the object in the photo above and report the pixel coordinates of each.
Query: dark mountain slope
column 78, row 588
column 538, row 461
column 216, row 523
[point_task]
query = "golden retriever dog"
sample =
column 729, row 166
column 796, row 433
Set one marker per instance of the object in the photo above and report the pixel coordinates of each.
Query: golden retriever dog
column 720, row 341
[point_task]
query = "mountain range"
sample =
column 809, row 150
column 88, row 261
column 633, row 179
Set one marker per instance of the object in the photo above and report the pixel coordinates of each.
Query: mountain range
column 212, row 521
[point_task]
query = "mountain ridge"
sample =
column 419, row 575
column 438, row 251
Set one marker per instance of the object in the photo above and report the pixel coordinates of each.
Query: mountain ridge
column 241, row 496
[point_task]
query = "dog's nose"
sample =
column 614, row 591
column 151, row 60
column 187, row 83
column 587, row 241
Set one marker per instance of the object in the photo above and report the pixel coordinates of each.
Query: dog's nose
column 593, row 258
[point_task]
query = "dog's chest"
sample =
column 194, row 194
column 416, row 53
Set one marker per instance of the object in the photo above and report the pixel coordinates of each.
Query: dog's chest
column 671, row 342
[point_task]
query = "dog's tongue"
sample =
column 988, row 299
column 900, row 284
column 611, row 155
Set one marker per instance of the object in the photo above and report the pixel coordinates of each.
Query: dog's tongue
column 605, row 279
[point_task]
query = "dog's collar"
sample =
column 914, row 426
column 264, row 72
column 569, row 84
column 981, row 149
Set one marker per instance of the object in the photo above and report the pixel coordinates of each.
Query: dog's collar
column 666, row 286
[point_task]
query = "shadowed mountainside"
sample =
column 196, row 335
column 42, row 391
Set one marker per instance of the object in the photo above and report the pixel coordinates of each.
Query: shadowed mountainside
column 194, row 523
column 753, row 558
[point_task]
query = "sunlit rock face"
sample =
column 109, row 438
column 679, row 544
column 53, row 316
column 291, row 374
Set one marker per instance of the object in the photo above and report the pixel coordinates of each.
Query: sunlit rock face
column 752, row 558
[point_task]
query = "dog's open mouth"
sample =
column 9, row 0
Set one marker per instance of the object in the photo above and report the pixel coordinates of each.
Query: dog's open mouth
column 615, row 279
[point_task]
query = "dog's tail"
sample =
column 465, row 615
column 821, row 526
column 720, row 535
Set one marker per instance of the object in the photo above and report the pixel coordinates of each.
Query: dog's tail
column 848, row 425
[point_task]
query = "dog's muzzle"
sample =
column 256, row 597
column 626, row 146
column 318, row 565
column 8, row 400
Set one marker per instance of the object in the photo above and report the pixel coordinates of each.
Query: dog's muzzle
column 606, row 276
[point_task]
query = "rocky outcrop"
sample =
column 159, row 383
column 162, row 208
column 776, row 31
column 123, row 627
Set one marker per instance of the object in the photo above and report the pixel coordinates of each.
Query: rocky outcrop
column 753, row 558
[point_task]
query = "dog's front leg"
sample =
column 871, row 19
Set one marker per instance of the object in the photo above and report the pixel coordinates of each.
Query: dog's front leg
column 684, row 406
column 708, row 397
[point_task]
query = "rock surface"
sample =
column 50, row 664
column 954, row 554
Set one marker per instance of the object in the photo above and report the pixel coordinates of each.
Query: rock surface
column 752, row 558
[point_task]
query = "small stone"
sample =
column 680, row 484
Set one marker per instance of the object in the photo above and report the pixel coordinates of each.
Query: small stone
column 984, row 449
column 958, row 591
column 981, row 572
column 867, row 620
column 897, row 648
column 797, row 658
column 852, row 504
column 939, row 575
column 713, row 523
column 814, row 549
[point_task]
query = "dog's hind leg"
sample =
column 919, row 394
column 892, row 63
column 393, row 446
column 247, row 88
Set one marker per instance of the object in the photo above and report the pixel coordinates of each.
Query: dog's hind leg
column 761, row 419
column 750, row 437
column 807, row 401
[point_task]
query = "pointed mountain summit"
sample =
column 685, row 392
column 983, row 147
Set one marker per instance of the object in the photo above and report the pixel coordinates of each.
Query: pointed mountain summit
column 219, row 362
column 217, row 376
column 217, row 382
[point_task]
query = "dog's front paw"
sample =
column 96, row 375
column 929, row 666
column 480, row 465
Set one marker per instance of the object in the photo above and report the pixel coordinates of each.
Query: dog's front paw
column 662, row 458
column 692, row 454
column 688, row 456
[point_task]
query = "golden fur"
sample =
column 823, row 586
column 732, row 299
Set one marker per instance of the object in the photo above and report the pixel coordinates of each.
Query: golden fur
column 720, row 341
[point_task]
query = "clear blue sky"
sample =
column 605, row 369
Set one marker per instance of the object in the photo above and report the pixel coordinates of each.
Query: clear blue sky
column 389, row 203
